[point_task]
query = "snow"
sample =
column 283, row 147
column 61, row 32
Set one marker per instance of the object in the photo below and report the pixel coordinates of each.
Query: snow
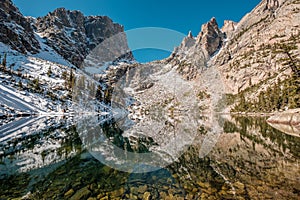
column 49, row 54
column 46, row 148
column 91, row 69
column 31, row 67
column 11, row 98
column 11, row 130
column 15, row 27
column 26, row 111
column 68, row 32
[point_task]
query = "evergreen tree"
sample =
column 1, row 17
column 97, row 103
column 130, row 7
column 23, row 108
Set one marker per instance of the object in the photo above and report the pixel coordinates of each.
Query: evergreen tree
column 108, row 95
column 20, row 84
column 99, row 95
column 64, row 75
column 4, row 62
column 243, row 103
column 49, row 73
column 291, row 59
column 36, row 84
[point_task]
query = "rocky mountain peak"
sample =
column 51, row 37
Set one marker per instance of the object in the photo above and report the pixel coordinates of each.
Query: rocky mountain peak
column 212, row 25
column 187, row 42
column 228, row 28
column 16, row 30
column 191, row 57
column 210, row 37
column 190, row 35
column 66, row 18
column 73, row 35
column 208, row 41
column 253, row 53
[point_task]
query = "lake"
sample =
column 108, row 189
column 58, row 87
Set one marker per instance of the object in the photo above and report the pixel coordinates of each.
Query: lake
column 52, row 158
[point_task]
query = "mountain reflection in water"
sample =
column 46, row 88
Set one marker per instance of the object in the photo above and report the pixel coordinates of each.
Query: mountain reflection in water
column 250, row 160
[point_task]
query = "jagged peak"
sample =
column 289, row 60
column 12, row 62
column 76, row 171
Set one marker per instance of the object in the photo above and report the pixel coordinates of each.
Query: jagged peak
column 210, row 37
column 16, row 30
column 229, row 23
column 64, row 10
column 190, row 35
column 58, row 11
column 229, row 27
column 272, row 5
column 212, row 23
column 80, row 34
column 8, row 4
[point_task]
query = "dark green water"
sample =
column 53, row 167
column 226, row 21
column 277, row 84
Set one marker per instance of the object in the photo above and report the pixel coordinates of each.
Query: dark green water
column 250, row 160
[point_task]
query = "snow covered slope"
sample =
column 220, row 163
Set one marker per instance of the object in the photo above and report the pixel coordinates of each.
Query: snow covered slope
column 34, row 83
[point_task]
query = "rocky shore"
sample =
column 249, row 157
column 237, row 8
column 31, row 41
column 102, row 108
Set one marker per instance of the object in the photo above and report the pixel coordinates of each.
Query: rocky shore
column 287, row 121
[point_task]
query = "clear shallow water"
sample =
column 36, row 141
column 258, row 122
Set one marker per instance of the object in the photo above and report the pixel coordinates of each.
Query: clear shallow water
column 249, row 160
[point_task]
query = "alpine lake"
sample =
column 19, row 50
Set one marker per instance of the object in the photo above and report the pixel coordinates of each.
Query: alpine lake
column 248, row 159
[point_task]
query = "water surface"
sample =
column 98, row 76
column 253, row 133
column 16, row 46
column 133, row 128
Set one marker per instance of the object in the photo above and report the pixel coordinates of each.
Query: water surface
column 48, row 159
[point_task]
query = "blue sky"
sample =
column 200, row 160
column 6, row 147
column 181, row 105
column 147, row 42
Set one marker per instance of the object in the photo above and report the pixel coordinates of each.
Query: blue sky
column 180, row 16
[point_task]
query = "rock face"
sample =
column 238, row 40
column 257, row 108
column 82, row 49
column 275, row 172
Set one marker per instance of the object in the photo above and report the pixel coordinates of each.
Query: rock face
column 290, row 117
column 15, row 29
column 69, row 33
column 249, row 57
column 74, row 35
column 247, row 53
column 192, row 55
column 187, row 42
column 272, row 5
column 211, row 37
column 287, row 122
column 228, row 28
column 208, row 41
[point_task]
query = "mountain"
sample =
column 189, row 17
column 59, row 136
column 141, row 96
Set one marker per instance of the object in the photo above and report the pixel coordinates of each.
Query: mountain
column 40, row 58
column 252, row 65
column 246, row 66
column 55, row 66
column 260, row 60
column 73, row 35
column 257, row 58
column 191, row 57
column 15, row 29
column 248, row 53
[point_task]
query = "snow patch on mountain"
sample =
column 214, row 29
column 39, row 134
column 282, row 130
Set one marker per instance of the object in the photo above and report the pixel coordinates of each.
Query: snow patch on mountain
column 17, row 94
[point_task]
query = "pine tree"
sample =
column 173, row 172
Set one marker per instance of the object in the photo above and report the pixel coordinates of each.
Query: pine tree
column 4, row 62
column 20, row 84
column 108, row 95
column 36, row 84
column 291, row 59
column 99, row 95
column 262, row 101
column 64, row 75
column 49, row 73
column 243, row 103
